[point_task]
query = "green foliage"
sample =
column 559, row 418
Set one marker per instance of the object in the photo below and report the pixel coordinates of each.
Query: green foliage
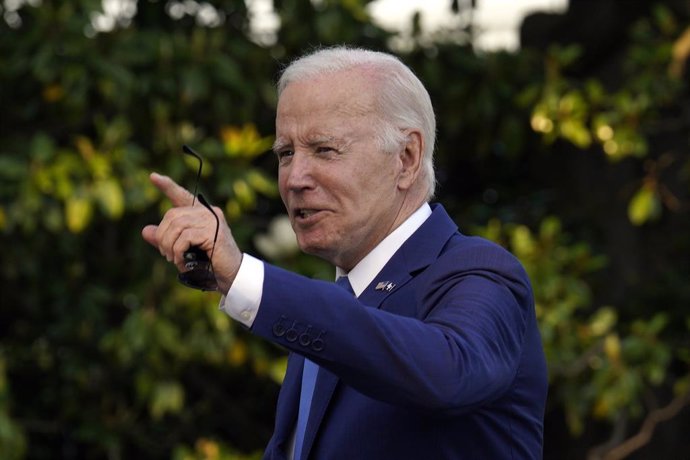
column 598, row 367
column 622, row 120
column 128, row 353
column 103, row 353
column 645, row 205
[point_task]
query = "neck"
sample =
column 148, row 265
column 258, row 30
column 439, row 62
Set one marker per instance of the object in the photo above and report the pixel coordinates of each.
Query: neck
column 407, row 207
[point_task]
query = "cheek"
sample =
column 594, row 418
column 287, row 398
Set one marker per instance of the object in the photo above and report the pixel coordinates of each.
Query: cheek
column 282, row 187
column 373, row 184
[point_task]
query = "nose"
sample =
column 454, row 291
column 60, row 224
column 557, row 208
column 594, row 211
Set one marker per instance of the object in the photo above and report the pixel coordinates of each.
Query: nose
column 297, row 174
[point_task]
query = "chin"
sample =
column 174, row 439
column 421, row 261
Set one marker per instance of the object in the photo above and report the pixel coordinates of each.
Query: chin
column 315, row 248
column 312, row 249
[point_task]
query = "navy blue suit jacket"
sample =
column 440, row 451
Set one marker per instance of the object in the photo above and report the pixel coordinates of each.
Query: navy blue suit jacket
column 448, row 364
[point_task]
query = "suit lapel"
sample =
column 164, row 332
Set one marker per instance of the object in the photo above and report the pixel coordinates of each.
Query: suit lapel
column 420, row 250
column 288, row 401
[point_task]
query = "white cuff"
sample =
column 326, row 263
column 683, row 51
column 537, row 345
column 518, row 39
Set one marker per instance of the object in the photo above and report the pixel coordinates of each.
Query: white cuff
column 244, row 297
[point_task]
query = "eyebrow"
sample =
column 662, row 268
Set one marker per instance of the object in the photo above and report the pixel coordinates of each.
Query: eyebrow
column 320, row 139
column 279, row 144
column 312, row 141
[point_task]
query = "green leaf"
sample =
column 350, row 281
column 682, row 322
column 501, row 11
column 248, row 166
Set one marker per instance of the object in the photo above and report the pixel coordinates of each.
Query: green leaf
column 168, row 397
column 78, row 212
column 522, row 242
column 261, row 183
column 602, row 322
column 110, row 196
column 644, row 206
column 576, row 132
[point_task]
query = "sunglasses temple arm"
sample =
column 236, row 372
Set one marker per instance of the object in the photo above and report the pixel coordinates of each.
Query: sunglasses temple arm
column 203, row 201
column 189, row 151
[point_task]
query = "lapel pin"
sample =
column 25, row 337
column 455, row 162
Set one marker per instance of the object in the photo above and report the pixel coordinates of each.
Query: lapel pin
column 385, row 286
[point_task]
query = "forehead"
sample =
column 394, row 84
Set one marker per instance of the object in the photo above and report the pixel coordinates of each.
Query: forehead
column 340, row 95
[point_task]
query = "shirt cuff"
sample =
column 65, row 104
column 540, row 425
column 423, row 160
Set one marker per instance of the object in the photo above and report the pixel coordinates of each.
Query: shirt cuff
column 242, row 301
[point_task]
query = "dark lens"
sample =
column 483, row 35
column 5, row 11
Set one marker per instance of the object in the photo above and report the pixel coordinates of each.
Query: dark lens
column 194, row 258
column 199, row 278
column 199, row 272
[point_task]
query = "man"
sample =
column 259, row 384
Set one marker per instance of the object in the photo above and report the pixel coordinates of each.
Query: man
column 437, row 354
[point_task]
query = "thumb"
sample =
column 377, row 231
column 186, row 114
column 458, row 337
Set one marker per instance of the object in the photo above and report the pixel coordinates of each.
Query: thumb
column 178, row 195
column 149, row 235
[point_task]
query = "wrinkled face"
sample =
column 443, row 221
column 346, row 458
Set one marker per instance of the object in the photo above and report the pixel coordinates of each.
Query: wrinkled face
column 341, row 192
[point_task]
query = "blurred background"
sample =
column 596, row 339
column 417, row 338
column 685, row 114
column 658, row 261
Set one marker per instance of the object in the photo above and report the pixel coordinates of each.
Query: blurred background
column 563, row 134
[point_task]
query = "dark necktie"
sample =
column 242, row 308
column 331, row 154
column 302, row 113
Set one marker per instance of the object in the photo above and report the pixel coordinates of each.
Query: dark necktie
column 308, row 383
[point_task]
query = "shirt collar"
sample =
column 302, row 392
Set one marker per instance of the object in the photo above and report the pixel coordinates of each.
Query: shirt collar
column 364, row 272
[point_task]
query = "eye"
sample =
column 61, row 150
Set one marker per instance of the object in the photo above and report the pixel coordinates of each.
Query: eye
column 284, row 155
column 324, row 149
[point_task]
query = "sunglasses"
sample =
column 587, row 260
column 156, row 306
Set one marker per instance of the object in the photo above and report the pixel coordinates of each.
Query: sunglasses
column 198, row 272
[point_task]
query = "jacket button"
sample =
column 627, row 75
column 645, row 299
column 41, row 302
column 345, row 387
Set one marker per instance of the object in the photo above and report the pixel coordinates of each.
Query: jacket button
column 318, row 344
column 291, row 334
column 304, row 339
column 279, row 328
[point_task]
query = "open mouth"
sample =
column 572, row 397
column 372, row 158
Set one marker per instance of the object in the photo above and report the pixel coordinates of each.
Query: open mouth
column 307, row 215
column 303, row 213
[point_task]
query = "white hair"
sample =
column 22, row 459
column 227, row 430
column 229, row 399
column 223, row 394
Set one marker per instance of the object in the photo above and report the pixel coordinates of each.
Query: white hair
column 403, row 101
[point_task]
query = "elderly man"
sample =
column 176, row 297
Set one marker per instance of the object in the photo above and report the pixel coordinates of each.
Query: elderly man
column 427, row 346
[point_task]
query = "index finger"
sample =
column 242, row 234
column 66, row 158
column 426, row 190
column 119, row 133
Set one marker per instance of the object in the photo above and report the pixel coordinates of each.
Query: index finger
column 178, row 195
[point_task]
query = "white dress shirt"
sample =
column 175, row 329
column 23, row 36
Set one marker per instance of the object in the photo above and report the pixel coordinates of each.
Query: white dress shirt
column 244, row 297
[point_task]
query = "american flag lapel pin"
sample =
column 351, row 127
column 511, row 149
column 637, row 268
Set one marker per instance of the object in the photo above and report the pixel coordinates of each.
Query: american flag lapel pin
column 385, row 286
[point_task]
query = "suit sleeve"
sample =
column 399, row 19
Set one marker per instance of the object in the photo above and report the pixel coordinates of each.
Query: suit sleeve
column 459, row 348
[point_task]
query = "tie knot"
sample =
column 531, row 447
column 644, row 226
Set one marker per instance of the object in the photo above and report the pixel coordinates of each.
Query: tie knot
column 344, row 283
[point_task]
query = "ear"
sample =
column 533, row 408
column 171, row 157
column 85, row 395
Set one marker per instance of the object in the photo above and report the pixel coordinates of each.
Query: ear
column 411, row 159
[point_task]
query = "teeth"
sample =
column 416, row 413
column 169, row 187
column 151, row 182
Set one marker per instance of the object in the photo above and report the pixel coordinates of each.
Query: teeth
column 305, row 212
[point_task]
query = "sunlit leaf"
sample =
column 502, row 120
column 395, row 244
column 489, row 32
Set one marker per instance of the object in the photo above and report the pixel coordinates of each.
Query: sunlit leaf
column 576, row 132
column 522, row 241
column 233, row 210
column 208, row 449
column 681, row 52
column 167, row 397
column 245, row 194
column 644, row 206
column 541, row 122
column 245, row 141
column 278, row 369
column 78, row 213
column 261, row 183
column 109, row 194
column 550, row 228
column 603, row 321
column 612, row 347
